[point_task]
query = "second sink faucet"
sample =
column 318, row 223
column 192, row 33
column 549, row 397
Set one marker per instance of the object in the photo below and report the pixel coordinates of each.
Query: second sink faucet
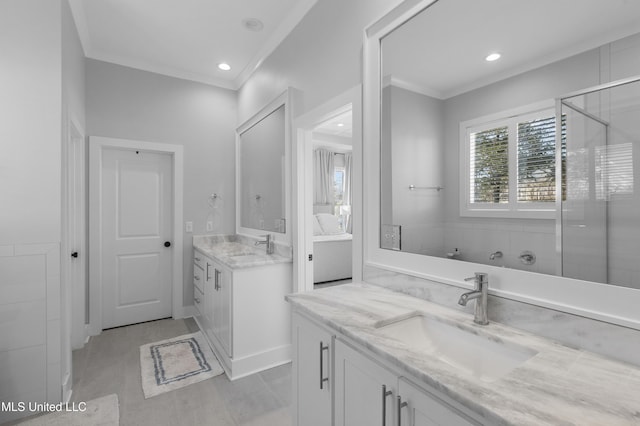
column 480, row 294
column 269, row 243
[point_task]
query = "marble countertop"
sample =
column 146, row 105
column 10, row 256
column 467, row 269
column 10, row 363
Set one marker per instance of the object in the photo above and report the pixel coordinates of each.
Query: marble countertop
column 238, row 252
column 557, row 386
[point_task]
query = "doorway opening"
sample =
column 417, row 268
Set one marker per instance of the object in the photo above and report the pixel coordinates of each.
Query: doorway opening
column 328, row 193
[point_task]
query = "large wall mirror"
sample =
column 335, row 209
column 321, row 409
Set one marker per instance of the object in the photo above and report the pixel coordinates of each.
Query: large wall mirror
column 263, row 170
column 527, row 159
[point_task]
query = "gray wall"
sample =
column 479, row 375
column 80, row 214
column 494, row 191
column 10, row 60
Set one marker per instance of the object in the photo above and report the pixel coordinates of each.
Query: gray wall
column 30, row 166
column 131, row 104
column 322, row 56
column 42, row 83
column 415, row 157
column 73, row 73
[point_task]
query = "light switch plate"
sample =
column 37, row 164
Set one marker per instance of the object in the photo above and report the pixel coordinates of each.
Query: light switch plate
column 188, row 227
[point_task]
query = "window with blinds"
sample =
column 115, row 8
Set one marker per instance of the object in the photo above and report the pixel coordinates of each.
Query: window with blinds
column 511, row 165
column 536, row 181
column 490, row 166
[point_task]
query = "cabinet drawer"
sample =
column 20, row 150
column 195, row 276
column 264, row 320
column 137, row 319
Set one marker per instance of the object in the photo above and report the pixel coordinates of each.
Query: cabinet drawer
column 199, row 259
column 198, row 300
column 198, row 277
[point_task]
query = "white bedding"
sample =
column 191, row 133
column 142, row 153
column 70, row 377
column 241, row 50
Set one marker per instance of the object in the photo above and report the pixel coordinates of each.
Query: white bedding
column 332, row 257
column 332, row 249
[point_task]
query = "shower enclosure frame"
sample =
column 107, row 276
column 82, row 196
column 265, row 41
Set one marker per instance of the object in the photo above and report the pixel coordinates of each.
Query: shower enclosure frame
column 560, row 102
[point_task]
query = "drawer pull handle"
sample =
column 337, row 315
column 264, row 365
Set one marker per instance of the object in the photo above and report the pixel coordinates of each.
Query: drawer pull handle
column 198, row 259
column 322, row 378
column 400, row 406
column 197, row 278
column 385, row 394
column 217, row 282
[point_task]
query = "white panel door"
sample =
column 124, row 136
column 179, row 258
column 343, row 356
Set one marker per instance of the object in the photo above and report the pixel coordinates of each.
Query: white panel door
column 136, row 205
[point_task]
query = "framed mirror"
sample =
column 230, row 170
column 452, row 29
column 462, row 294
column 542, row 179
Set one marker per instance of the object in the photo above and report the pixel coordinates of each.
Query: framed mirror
column 466, row 160
column 263, row 171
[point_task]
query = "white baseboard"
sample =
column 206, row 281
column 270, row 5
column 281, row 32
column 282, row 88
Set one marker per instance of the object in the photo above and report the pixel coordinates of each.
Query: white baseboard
column 255, row 363
column 187, row 312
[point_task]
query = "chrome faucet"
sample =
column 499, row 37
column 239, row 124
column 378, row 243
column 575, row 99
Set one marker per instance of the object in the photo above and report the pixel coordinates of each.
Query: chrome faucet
column 269, row 243
column 480, row 294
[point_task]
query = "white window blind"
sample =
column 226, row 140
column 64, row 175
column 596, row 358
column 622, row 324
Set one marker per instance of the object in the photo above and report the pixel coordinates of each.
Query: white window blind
column 536, row 179
column 489, row 153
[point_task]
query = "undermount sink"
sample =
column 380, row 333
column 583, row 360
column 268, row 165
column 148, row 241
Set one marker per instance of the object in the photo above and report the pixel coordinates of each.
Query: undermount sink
column 470, row 353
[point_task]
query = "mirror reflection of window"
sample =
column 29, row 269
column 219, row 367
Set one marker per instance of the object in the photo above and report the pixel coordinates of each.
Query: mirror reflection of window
column 468, row 147
column 512, row 163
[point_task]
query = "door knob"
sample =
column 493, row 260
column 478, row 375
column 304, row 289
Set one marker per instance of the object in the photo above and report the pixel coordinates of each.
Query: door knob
column 167, row 244
column 74, row 254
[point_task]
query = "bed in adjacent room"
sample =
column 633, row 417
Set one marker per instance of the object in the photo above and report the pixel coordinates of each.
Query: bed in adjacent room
column 332, row 249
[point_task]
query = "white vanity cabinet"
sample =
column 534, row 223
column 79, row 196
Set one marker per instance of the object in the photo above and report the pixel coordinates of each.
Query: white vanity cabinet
column 312, row 368
column 369, row 393
column 218, row 304
column 243, row 314
column 199, row 263
column 212, row 299
column 366, row 391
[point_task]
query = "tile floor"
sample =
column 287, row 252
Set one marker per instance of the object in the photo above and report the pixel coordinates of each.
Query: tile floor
column 110, row 363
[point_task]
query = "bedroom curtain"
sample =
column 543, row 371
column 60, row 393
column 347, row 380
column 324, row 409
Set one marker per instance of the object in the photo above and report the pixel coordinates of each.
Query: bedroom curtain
column 348, row 164
column 322, row 176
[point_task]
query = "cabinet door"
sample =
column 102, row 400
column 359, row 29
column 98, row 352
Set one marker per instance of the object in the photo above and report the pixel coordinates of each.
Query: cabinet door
column 208, row 294
column 424, row 409
column 364, row 390
column 198, row 301
column 312, row 380
column 222, row 307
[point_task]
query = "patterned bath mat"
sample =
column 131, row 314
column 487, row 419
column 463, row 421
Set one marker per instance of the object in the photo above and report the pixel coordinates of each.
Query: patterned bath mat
column 175, row 363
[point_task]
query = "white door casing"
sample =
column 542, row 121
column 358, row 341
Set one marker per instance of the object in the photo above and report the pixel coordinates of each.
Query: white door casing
column 76, row 234
column 303, row 194
column 73, row 251
column 135, row 207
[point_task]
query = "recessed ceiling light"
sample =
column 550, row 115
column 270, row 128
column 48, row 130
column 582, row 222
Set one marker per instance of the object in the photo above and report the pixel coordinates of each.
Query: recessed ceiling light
column 224, row 66
column 340, row 125
column 492, row 57
column 252, row 24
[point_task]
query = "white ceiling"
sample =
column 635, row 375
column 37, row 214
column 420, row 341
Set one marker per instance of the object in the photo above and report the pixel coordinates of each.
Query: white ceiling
column 340, row 125
column 441, row 51
column 186, row 38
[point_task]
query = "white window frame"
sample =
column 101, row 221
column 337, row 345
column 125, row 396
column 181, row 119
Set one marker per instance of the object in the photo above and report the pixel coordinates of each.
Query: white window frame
column 512, row 209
